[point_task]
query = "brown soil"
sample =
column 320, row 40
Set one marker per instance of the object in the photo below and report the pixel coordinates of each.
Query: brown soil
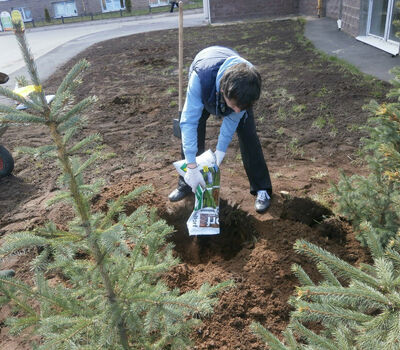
column 306, row 122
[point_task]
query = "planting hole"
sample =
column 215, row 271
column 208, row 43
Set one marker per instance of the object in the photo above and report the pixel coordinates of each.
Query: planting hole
column 305, row 210
column 236, row 229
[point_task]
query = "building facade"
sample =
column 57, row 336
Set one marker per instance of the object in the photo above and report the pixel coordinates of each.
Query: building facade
column 35, row 9
column 370, row 21
column 228, row 10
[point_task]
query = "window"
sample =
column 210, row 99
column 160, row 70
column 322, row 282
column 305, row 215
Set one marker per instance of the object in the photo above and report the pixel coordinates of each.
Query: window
column 65, row 9
column 112, row 5
column 155, row 3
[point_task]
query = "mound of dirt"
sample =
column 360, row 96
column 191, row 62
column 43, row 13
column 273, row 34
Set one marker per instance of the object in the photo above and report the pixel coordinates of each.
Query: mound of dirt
column 256, row 255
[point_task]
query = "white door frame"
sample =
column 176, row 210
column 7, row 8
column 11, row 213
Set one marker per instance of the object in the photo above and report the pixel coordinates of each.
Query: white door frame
column 206, row 9
column 388, row 22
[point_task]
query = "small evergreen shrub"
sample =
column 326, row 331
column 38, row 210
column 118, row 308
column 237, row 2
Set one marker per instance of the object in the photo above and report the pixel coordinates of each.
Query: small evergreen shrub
column 47, row 17
column 375, row 198
column 109, row 266
column 128, row 5
column 357, row 307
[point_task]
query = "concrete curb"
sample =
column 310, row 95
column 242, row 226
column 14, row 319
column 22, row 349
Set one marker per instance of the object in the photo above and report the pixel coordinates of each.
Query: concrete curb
column 105, row 21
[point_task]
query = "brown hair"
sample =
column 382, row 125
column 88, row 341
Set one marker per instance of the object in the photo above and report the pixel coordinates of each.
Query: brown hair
column 242, row 84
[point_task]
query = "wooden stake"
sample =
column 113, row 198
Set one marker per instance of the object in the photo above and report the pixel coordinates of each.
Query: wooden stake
column 180, row 56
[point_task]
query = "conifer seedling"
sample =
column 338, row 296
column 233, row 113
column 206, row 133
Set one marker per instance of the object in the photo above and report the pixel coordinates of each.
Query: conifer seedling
column 356, row 307
column 114, row 297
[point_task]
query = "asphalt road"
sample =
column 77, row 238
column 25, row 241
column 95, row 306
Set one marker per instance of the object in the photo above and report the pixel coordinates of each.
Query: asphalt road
column 55, row 45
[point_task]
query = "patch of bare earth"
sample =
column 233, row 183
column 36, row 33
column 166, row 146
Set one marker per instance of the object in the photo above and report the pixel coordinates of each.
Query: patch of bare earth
column 306, row 120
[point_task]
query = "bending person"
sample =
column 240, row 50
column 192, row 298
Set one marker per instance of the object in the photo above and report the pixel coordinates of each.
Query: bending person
column 226, row 85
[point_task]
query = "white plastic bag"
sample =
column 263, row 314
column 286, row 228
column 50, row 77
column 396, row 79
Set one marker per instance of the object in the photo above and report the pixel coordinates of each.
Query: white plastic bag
column 204, row 219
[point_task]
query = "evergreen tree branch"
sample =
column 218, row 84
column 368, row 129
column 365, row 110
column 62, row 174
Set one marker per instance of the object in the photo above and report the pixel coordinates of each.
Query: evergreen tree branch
column 373, row 242
column 344, row 269
column 60, row 196
column 20, row 99
column 90, row 139
column 81, row 325
column 314, row 338
column 301, row 275
column 11, row 110
column 385, row 273
column 267, row 337
column 76, row 109
column 74, row 122
column 30, row 62
column 11, row 296
column 118, row 205
column 19, row 324
column 77, row 69
column 90, row 161
column 16, row 117
column 291, row 341
column 350, row 295
column 328, row 274
column 28, row 291
column 316, row 312
column 187, row 306
column 20, row 241
column 42, row 151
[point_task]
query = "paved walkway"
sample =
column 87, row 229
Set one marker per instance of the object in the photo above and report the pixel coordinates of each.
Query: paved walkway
column 326, row 37
column 55, row 45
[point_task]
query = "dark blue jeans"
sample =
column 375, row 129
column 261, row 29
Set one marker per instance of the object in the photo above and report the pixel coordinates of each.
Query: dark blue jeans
column 250, row 149
column 173, row 4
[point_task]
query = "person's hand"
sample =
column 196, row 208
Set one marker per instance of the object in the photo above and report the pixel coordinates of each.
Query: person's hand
column 193, row 177
column 219, row 156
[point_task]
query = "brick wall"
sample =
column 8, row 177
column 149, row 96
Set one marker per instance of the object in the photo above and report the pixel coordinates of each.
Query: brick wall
column 229, row 10
column 140, row 4
column 36, row 6
column 90, row 6
column 350, row 14
column 332, row 8
column 308, row 7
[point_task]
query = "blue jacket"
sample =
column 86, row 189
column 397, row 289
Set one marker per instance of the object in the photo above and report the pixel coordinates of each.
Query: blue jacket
column 205, row 74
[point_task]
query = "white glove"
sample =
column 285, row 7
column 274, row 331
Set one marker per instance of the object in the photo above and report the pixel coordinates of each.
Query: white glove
column 193, row 177
column 219, row 155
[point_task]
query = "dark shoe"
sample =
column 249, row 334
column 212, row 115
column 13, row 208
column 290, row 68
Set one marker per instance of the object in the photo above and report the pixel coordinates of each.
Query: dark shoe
column 263, row 202
column 3, row 78
column 7, row 273
column 178, row 194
